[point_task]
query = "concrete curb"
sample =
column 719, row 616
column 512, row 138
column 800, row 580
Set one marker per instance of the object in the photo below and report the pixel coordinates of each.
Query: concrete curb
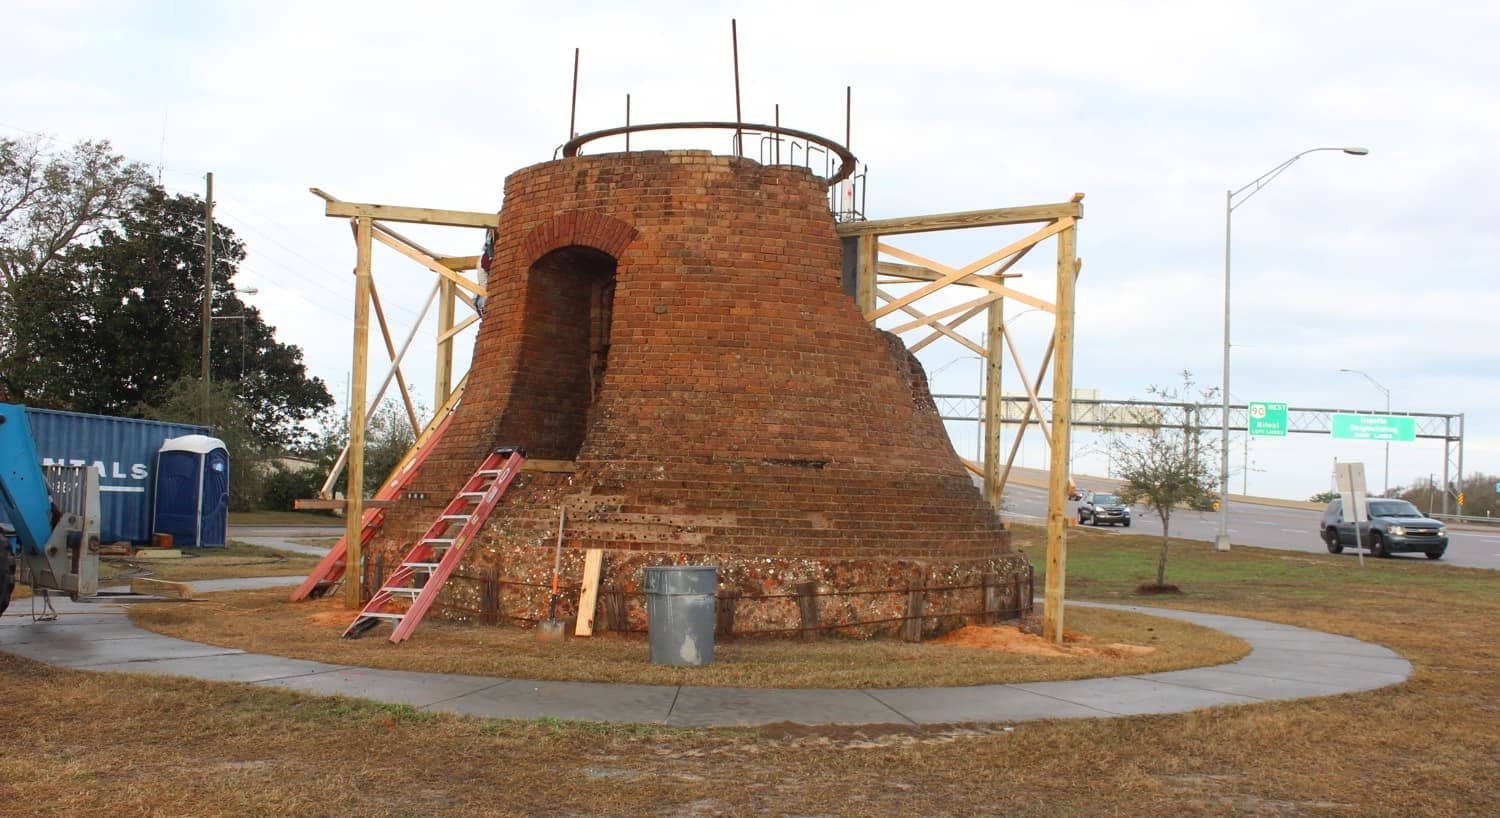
column 1284, row 663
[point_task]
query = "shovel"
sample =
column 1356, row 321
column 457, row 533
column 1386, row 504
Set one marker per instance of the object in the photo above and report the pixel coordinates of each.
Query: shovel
column 550, row 629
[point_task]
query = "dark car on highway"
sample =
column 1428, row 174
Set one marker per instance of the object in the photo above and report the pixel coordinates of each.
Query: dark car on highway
column 1394, row 526
column 1099, row 508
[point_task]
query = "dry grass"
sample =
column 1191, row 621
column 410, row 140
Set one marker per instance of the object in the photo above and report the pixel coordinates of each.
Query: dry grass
column 264, row 622
column 81, row 744
column 234, row 560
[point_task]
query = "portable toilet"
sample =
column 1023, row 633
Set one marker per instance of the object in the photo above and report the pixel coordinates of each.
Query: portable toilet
column 192, row 491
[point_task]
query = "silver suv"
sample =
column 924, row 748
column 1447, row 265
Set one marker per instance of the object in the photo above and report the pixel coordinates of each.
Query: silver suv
column 1394, row 526
column 1099, row 508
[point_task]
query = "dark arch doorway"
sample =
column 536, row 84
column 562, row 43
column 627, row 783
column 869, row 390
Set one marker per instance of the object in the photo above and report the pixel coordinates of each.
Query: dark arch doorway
column 565, row 351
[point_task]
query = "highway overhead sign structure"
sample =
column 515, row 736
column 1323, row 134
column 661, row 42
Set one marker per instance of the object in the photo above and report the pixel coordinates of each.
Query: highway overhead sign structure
column 1374, row 427
column 1266, row 419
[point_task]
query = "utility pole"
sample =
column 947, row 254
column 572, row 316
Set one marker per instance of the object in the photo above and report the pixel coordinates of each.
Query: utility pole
column 208, row 287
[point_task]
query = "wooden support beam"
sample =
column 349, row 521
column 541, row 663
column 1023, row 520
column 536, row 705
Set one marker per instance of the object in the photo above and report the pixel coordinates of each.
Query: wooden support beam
column 944, row 313
column 427, row 261
column 1062, row 416
column 412, row 215
column 355, row 489
column 904, row 273
column 321, row 504
column 992, row 403
column 1029, row 214
column 458, row 263
column 447, row 337
column 390, row 351
column 1015, row 444
column 951, row 275
column 443, row 378
column 1031, row 394
column 866, row 271
column 940, row 330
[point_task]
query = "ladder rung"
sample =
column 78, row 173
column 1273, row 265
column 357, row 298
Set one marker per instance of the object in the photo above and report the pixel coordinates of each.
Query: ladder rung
column 456, row 517
column 435, row 541
column 488, row 472
column 471, row 494
column 382, row 615
column 421, row 566
column 400, row 589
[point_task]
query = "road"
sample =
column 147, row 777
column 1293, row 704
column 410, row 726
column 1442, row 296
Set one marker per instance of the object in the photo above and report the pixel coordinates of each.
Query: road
column 1291, row 529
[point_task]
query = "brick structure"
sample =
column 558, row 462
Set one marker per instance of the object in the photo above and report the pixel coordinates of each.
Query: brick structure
column 673, row 323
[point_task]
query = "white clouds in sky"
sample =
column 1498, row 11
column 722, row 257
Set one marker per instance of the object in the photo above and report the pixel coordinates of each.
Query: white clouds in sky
column 1383, row 263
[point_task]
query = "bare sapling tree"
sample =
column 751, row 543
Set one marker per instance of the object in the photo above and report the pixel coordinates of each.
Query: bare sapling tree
column 1168, row 465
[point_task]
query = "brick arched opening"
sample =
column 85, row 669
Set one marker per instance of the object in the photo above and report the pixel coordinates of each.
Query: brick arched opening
column 565, row 351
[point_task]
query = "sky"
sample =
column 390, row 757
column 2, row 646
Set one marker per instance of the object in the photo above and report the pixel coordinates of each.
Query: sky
column 1383, row 263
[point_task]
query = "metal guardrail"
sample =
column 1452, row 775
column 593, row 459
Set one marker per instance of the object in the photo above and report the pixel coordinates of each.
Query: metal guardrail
column 1466, row 518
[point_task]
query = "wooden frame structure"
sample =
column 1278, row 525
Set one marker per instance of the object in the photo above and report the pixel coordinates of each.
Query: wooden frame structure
column 924, row 277
column 872, row 277
column 366, row 219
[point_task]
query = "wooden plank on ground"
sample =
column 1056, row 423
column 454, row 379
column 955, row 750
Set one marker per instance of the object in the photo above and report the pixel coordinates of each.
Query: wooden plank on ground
column 588, row 595
column 161, row 587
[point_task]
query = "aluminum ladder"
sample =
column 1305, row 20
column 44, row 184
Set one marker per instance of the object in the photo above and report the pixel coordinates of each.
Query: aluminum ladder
column 405, row 596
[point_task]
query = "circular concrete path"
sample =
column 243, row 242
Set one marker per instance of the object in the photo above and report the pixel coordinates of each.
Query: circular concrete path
column 1284, row 662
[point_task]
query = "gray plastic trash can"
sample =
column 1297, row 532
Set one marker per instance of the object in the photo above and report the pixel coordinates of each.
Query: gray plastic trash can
column 680, row 613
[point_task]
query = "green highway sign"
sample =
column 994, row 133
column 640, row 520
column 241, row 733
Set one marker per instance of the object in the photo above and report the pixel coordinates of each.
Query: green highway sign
column 1266, row 419
column 1374, row 427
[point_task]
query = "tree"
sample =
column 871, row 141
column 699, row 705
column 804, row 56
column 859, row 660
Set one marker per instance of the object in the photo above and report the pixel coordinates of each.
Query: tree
column 49, row 202
column 1165, row 468
column 1480, row 499
column 113, row 326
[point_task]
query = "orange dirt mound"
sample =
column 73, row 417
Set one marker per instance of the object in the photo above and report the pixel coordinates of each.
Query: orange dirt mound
column 1012, row 639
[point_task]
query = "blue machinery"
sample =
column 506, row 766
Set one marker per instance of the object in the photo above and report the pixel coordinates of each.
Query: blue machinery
column 55, row 513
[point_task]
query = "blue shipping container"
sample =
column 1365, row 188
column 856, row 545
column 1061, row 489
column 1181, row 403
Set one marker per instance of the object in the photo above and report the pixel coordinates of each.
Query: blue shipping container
column 121, row 450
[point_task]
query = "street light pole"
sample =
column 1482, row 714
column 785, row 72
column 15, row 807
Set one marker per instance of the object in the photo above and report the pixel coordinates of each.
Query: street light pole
column 1377, row 384
column 1221, row 542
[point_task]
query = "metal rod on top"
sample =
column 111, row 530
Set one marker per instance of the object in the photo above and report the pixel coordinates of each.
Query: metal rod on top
column 573, row 111
column 739, row 136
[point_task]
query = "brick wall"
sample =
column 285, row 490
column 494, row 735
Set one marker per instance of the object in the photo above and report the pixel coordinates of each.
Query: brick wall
column 746, row 408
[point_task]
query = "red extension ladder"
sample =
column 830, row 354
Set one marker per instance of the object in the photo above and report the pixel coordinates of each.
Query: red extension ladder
column 409, row 591
column 330, row 569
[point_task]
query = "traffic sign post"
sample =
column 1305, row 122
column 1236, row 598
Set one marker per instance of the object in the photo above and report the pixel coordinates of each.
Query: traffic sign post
column 1373, row 427
column 1350, row 478
column 1267, row 419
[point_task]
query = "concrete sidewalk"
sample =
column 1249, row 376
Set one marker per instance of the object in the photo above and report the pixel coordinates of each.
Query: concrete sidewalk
column 1284, row 663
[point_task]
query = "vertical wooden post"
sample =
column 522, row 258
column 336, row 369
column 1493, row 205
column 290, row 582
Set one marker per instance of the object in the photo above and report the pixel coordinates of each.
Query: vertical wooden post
column 990, row 586
column 864, row 293
column 443, row 386
column 993, row 408
column 614, row 609
column 911, row 629
column 807, row 607
column 728, row 599
column 354, row 510
column 1062, row 421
